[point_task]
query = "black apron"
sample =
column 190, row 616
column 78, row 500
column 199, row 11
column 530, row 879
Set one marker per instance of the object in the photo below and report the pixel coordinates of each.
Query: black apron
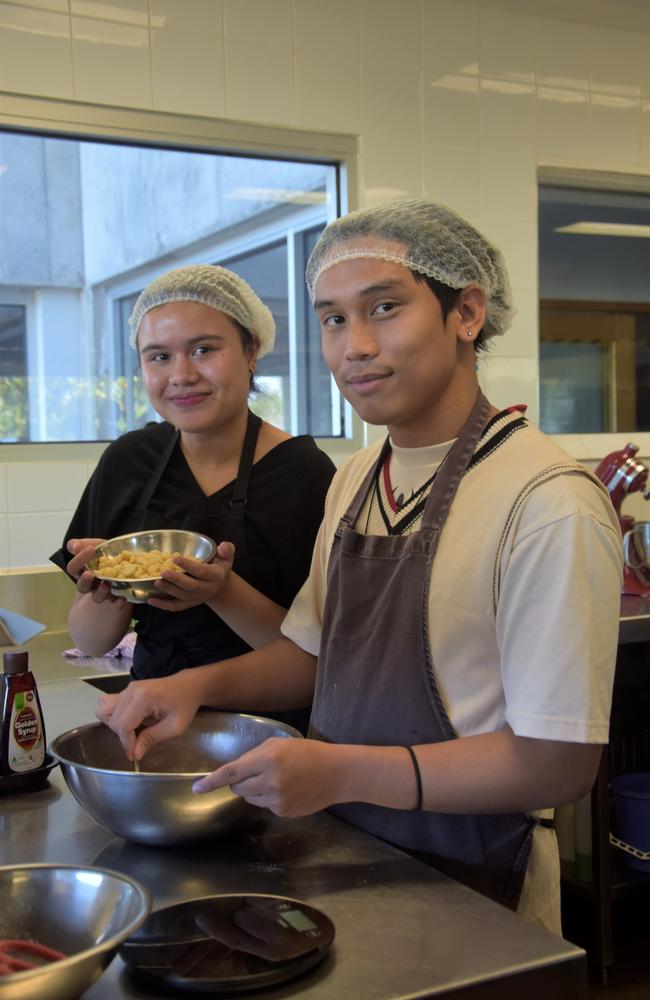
column 170, row 641
column 376, row 683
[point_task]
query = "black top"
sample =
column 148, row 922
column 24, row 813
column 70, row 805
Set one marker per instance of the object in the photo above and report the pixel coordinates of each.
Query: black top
column 281, row 515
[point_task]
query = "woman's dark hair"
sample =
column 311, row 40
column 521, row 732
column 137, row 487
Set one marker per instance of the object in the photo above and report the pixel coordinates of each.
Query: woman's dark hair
column 249, row 343
column 448, row 297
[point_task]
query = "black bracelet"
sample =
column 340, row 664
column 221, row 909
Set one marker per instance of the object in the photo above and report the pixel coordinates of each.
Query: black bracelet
column 418, row 778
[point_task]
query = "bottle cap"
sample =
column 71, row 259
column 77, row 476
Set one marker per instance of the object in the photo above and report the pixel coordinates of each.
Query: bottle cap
column 15, row 663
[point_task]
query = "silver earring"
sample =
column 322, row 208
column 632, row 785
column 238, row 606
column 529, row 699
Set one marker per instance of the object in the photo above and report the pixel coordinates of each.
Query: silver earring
column 469, row 333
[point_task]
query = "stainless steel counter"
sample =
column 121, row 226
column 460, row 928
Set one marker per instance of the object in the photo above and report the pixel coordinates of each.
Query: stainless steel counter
column 634, row 623
column 403, row 930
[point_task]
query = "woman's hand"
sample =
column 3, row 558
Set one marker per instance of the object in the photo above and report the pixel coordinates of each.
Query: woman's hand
column 200, row 582
column 148, row 712
column 291, row 777
column 83, row 550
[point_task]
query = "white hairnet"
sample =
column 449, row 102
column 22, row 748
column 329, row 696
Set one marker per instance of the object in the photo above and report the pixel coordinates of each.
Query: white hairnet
column 428, row 238
column 213, row 286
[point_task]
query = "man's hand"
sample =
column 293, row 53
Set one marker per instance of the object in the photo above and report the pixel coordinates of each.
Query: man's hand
column 148, row 712
column 291, row 777
column 199, row 582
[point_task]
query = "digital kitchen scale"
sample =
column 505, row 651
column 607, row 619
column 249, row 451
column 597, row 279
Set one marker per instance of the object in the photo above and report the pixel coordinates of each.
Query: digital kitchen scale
column 227, row 944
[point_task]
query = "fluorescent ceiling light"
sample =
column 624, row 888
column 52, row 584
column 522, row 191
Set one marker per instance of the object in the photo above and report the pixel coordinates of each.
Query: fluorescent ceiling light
column 279, row 195
column 605, row 229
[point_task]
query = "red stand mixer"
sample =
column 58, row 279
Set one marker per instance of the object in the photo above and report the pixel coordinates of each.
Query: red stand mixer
column 623, row 474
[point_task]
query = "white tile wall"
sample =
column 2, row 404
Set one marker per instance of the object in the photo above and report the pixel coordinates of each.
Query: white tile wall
column 35, row 52
column 561, row 55
column 450, row 40
column 508, row 185
column 507, row 115
column 614, row 129
column 507, row 45
column 34, row 537
column 38, row 487
column 111, row 63
column 452, row 175
column 198, row 17
column 615, row 61
column 188, row 73
column 458, row 101
column 562, row 124
column 123, row 11
column 391, row 127
column 260, row 61
column 33, row 519
column 328, row 79
column 60, row 5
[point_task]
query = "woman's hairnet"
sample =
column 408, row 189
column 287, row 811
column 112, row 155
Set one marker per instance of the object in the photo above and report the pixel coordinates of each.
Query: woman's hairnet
column 213, row 286
column 428, row 238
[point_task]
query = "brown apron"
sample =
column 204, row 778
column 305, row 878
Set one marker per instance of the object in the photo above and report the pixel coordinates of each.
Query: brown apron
column 376, row 682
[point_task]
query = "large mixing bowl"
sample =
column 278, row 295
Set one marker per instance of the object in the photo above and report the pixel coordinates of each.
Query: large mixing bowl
column 157, row 805
column 84, row 912
column 167, row 540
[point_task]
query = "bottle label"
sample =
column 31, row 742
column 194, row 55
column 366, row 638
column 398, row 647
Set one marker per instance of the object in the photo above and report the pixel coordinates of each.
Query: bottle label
column 26, row 745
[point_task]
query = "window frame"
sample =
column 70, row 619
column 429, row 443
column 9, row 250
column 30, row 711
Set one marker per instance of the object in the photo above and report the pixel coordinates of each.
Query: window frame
column 593, row 447
column 191, row 133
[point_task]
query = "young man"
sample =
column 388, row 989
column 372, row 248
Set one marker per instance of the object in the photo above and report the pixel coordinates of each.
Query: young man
column 458, row 628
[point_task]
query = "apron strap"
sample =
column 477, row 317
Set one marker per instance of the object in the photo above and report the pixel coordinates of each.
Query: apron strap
column 350, row 516
column 160, row 466
column 453, row 466
column 238, row 499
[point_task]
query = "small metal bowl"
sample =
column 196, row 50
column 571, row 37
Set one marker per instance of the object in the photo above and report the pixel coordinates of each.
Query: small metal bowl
column 157, row 805
column 87, row 913
column 187, row 543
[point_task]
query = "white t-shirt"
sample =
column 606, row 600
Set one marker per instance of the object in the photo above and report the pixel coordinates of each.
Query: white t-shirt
column 523, row 608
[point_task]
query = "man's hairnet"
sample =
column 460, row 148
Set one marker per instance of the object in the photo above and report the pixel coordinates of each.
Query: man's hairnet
column 213, row 286
column 428, row 238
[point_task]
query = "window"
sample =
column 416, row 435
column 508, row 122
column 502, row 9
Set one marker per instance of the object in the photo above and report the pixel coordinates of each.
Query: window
column 14, row 413
column 86, row 224
column 594, row 258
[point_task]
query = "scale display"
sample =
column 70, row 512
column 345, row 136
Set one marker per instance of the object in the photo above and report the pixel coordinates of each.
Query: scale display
column 227, row 944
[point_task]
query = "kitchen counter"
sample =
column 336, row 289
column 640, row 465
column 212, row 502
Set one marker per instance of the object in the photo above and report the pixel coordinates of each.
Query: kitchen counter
column 402, row 929
column 634, row 625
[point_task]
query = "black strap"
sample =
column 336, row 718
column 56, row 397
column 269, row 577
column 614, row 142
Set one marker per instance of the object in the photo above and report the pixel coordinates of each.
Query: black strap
column 246, row 460
column 159, row 468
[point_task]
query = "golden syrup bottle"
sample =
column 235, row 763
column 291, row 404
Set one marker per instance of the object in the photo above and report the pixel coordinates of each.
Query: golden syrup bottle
column 22, row 733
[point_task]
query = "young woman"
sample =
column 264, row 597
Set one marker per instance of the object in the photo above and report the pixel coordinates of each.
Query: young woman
column 210, row 466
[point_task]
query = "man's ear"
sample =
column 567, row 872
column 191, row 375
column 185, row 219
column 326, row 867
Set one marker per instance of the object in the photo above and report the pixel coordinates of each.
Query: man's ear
column 471, row 307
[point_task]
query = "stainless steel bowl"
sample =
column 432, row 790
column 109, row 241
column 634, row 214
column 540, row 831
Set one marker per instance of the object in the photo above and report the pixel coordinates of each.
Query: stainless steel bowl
column 84, row 912
column 157, row 805
column 188, row 543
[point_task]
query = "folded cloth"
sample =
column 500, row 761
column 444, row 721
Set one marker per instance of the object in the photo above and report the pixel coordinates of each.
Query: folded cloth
column 15, row 629
column 124, row 649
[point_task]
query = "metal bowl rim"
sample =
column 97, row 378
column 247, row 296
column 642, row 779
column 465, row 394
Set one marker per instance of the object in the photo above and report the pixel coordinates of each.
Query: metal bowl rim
column 146, row 904
column 129, row 581
column 156, row 775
